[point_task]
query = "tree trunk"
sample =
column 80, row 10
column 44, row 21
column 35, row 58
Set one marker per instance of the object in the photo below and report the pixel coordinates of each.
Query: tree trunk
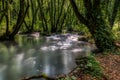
column 103, row 37
column 20, row 19
column 97, row 26
column 115, row 9
column 7, row 17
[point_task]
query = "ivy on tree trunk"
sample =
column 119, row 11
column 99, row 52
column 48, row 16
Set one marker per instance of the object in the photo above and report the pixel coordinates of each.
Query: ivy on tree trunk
column 96, row 24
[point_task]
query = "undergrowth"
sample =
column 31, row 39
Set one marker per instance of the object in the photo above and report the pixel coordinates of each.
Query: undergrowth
column 89, row 65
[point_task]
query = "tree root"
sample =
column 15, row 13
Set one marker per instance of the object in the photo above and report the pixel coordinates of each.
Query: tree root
column 39, row 76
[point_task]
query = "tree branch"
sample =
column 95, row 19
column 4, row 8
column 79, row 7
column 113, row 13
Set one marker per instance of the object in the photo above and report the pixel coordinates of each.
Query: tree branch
column 78, row 14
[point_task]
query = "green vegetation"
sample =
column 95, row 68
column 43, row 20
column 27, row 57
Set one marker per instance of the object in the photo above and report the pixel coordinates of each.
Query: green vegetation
column 89, row 65
column 94, row 17
column 97, row 20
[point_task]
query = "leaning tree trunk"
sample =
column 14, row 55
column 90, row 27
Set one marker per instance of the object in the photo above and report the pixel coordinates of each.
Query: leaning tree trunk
column 97, row 26
column 100, row 30
column 102, row 35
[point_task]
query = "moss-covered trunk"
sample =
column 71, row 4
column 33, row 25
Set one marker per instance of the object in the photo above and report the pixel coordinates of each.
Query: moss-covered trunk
column 97, row 25
column 103, row 37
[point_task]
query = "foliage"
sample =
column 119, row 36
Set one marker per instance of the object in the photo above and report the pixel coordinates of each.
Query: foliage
column 106, row 37
column 89, row 65
column 116, row 52
column 99, row 25
column 116, row 31
column 57, row 16
column 45, row 16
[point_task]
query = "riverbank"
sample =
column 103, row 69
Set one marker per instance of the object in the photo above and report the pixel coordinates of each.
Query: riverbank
column 110, row 64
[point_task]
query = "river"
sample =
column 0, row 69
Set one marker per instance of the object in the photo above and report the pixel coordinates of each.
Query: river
column 52, row 55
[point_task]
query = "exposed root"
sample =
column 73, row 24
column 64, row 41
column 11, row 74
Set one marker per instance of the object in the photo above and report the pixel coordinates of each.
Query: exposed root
column 39, row 76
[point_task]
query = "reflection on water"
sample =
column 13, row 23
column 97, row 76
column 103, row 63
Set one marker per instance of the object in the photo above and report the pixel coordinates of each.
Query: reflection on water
column 28, row 56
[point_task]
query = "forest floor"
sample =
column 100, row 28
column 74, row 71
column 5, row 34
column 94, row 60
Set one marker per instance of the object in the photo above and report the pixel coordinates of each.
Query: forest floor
column 110, row 64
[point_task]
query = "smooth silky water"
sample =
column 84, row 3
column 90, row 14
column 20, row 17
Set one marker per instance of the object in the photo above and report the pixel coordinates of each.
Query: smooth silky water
column 29, row 56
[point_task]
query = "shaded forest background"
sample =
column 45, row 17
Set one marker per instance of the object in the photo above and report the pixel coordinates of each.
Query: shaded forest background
column 97, row 19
